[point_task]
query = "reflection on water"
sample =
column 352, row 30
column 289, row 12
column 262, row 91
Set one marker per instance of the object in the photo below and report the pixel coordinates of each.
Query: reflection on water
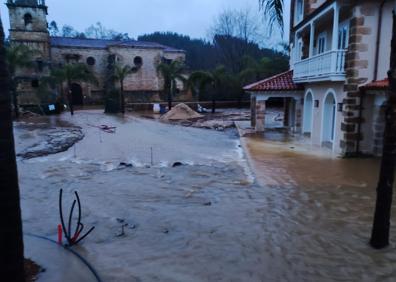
column 322, row 211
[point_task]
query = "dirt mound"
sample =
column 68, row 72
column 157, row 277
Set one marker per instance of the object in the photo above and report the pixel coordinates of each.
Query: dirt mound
column 180, row 112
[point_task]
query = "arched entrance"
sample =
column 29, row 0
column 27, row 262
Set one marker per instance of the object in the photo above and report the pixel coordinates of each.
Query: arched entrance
column 77, row 94
column 329, row 118
column 308, row 109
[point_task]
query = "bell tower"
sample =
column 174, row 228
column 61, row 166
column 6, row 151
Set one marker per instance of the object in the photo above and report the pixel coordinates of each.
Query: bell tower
column 28, row 25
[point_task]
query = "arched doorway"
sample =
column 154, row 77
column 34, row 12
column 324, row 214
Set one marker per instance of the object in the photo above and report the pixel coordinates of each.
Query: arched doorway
column 329, row 118
column 77, row 94
column 308, row 109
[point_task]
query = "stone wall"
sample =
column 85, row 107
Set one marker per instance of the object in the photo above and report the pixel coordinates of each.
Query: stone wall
column 358, row 70
column 140, row 87
column 58, row 56
column 147, row 77
column 38, row 15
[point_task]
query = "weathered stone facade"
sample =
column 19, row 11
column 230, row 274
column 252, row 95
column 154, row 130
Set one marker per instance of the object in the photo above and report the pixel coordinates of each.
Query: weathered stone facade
column 356, row 68
column 29, row 27
column 260, row 115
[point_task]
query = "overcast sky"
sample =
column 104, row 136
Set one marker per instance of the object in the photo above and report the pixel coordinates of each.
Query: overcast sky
column 136, row 17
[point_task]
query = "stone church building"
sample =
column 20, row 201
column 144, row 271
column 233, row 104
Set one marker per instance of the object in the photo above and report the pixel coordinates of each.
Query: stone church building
column 28, row 25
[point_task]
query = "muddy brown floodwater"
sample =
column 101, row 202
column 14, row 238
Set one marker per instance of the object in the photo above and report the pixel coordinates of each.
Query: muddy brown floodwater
column 321, row 211
column 307, row 217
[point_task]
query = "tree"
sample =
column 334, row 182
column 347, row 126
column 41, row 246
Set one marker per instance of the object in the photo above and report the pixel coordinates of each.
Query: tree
column 241, row 24
column 218, row 75
column 273, row 9
column 215, row 78
column 98, row 31
column 17, row 56
column 53, row 28
column 11, row 242
column 171, row 72
column 68, row 31
column 381, row 225
column 68, row 74
column 198, row 81
column 120, row 73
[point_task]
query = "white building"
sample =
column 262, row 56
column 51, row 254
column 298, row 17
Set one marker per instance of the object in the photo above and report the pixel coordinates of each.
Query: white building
column 339, row 58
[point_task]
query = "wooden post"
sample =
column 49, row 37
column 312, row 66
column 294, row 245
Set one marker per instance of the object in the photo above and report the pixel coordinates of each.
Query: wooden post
column 381, row 226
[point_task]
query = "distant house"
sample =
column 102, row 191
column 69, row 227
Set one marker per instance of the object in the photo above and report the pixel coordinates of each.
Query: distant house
column 339, row 58
column 28, row 22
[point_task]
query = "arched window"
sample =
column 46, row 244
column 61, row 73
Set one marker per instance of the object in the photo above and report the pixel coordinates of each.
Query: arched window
column 28, row 19
column 138, row 61
column 91, row 61
column 35, row 83
column 329, row 117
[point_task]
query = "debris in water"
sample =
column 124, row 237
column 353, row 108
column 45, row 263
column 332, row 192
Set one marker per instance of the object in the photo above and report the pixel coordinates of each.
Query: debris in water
column 123, row 164
column 165, row 231
column 105, row 128
column 176, row 164
column 122, row 230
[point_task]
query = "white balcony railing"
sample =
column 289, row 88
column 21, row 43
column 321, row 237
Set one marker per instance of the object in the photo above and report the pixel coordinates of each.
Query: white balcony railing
column 329, row 65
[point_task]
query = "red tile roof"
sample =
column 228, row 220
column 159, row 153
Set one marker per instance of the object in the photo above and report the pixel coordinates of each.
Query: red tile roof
column 280, row 82
column 377, row 85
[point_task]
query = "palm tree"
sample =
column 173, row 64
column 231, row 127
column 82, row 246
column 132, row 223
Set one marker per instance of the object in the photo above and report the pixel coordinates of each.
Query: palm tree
column 219, row 75
column 273, row 9
column 171, row 72
column 11, row 243
column 214, row 78
column 17, row 56
column 198, row 81
column 120, row 73
column 68, row 74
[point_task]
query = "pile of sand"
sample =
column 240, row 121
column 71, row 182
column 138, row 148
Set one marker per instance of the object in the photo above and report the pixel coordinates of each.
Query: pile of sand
column 181, row 112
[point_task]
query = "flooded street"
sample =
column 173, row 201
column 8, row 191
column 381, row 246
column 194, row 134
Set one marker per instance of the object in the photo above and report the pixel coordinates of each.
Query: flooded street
column 305, row 217
column 321, row 211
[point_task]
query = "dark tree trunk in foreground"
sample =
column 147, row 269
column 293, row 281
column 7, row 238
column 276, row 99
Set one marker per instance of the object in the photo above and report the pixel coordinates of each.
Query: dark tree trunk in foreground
column 170, row 97
column 11, row 242
column 15, row 101
column 381, row 226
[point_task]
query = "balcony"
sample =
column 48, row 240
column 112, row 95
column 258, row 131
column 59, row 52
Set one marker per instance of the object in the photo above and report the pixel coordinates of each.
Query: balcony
column 320, row 44
column 325, row 66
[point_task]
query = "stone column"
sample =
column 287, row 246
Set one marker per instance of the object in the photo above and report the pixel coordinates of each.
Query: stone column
column 356, row 69
column 311, row 39
column 286, row 109
column 298, row 111
column 260, row 115
column 335, row 26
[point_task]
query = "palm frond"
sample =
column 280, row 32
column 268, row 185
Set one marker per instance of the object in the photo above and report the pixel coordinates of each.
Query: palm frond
column 273, row 10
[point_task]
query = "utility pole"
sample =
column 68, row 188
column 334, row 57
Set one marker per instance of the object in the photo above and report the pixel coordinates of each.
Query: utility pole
column 381, row 226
